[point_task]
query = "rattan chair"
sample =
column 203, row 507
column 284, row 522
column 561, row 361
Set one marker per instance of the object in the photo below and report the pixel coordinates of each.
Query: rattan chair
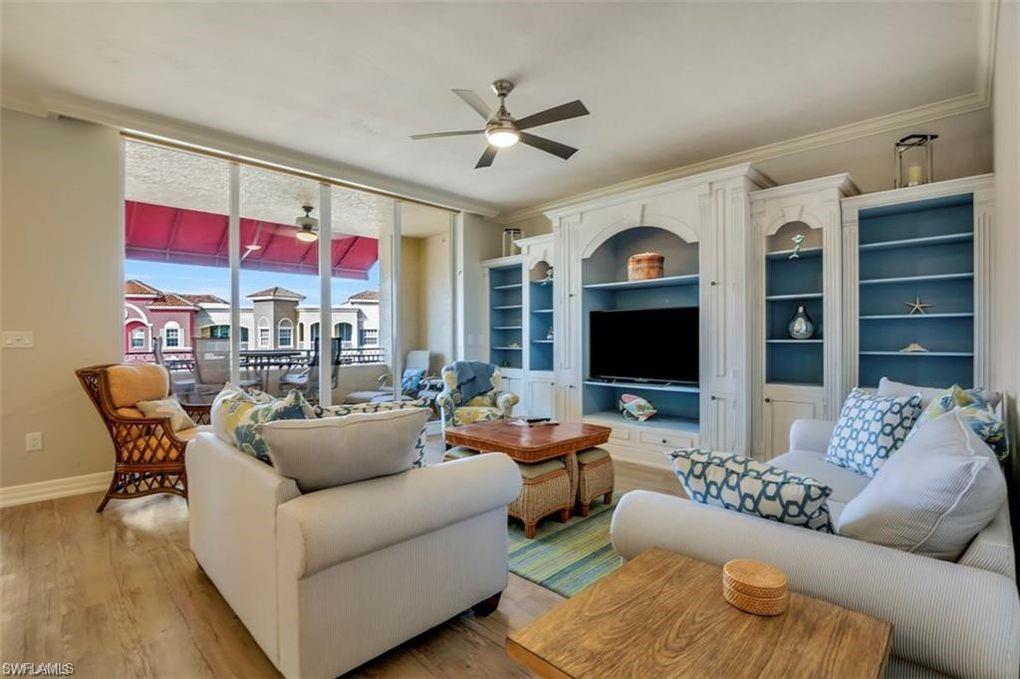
column 148, row 453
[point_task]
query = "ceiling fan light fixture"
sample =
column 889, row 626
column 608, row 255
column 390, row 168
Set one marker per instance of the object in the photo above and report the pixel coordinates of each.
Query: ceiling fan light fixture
column 502, row 137
column 307, row 226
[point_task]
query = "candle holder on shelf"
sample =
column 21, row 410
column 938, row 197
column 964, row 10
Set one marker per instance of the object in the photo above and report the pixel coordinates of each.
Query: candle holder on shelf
column 913, row 157
column 510, row 235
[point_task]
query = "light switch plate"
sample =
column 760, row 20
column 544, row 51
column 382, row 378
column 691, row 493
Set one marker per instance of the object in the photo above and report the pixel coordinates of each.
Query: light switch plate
column 18, row 339
column 33, row 441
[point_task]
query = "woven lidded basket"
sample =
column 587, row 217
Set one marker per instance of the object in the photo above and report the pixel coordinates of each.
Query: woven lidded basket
column 645, row 266
column 755, row 587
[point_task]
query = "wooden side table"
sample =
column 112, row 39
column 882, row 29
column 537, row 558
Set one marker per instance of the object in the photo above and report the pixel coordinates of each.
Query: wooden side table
column 663, row 614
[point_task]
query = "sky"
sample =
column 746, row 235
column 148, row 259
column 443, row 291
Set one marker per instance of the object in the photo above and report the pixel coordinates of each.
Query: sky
column 189, row 279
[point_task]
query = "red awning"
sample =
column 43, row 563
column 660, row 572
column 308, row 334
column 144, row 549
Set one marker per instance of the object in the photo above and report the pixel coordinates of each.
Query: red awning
column 166, row 234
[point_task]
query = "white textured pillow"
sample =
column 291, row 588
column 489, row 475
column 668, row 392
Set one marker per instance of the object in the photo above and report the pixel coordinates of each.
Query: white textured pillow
column 933, row 496
column 334, row 451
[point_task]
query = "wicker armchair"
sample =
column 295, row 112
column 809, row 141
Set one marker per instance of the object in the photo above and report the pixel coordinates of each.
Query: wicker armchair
column 148, row 453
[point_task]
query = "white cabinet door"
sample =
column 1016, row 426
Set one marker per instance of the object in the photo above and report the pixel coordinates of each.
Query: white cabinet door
column 541, row 398
column 781, row 407
column 515, row 385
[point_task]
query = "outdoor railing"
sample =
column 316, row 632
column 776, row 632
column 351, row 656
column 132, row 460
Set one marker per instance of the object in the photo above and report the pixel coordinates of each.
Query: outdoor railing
column 252, row 358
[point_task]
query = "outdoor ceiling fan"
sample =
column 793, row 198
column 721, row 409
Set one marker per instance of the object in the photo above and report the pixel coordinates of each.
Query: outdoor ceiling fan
column 502, row 130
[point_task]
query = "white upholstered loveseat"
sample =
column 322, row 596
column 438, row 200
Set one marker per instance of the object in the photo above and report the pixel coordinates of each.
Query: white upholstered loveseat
column 955, row 619
column 328, row 580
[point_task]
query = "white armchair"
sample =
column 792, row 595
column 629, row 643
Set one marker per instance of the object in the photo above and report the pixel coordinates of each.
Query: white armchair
column 328, row 580
column 943, row 613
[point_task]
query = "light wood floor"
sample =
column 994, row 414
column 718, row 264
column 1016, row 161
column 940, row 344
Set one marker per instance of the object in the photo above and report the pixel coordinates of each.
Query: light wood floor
column 120, row 595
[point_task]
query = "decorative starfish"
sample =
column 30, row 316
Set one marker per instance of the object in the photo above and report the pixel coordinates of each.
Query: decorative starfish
column 917, row 306
column 798, row 240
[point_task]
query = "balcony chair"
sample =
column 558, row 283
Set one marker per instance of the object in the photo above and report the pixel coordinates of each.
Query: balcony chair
column 212, row 367
column 148, row 453
column 178, row 384
column 307, row 379
column 417, row 359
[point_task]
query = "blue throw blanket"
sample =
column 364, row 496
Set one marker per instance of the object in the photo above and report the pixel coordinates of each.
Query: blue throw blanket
column 473, row 378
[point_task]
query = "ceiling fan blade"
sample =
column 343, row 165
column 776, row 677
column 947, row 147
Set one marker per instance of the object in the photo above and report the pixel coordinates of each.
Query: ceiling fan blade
column 487, row 156
column 573, row 109
column 457, row 133
column 475, row 102
column 548, row 145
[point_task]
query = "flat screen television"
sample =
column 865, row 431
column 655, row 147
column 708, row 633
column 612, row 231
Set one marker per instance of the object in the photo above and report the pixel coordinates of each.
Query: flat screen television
column 659, row 345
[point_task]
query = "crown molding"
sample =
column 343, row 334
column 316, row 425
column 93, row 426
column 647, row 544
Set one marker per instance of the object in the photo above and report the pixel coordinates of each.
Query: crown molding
column 865, row 128
column 842, row 182
column 201, row 138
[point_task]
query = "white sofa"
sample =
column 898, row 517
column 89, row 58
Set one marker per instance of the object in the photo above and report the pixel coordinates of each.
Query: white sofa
column 957, row 619
column 328, row 580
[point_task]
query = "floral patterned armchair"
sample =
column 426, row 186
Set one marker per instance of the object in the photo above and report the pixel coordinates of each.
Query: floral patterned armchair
column 492, row 405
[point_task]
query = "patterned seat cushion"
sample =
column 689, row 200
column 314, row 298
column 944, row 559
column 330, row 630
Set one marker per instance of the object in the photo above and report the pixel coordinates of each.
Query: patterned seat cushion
column 744, row 485
column 870, row 429
column 472, row 414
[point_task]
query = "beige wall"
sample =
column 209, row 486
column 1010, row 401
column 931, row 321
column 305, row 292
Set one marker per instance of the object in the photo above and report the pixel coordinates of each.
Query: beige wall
column 1006, row 320
column 427, row 294
column 61, row 259
column 477, row 239
column 435, row 300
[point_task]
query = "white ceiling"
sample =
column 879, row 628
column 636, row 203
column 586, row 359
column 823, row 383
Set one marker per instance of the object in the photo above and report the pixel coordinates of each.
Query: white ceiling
column 667, row 84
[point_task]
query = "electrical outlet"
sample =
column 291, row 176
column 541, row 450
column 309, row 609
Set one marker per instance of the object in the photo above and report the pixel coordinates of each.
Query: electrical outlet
column 18, row 339
column 33, row 441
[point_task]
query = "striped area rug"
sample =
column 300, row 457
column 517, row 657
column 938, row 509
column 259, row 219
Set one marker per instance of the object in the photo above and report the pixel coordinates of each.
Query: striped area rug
column 565, row 557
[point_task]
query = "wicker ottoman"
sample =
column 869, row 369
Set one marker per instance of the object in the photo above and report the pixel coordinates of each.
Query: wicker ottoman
column 546, row 491
column 458, row 453
column 594, row 477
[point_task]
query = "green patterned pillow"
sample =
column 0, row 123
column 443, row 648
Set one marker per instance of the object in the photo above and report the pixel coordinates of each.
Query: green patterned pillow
column 953, row 397
column 975, row 411
column 744, row 485
column 987, row 425
column 292, row 407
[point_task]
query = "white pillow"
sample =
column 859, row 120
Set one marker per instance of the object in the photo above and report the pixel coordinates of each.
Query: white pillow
column 886, row 387
column 932, row 496
column 167, row 407
column 334, row 451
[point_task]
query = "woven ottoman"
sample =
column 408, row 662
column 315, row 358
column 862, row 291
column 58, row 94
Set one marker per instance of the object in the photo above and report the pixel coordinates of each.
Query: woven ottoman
column 595, row 477
column 458, row 453
column 546, row 491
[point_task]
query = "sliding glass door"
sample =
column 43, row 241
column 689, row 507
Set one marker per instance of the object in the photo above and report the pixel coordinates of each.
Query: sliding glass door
column 271, row 279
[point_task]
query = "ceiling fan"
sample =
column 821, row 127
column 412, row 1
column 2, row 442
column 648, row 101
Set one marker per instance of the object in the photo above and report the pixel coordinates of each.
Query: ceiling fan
column 502, row 130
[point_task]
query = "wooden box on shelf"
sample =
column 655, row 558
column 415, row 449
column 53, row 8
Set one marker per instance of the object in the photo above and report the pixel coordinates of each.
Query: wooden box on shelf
column 644, row 266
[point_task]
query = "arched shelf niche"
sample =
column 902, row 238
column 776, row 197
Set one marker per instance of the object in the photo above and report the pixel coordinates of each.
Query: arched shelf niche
column 540, row 311
column 793, row 279
column 605, row 287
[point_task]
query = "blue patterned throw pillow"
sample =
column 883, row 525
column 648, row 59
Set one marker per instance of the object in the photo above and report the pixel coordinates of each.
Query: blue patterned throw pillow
column 870, row 429
column 744, row 485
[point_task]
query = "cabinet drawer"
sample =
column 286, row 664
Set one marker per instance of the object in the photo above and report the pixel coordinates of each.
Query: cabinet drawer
column 665, row 439
column 620, row 434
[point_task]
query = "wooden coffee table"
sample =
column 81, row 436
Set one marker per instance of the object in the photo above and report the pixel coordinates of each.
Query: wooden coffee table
column 663, row 615
column 529, row 445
